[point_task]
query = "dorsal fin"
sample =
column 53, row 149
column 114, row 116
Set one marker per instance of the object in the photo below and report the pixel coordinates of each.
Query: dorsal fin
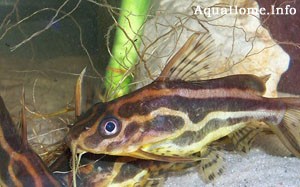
column 196, row 55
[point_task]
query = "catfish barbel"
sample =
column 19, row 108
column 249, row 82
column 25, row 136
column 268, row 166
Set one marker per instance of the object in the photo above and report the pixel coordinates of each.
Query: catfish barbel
column 177, row 115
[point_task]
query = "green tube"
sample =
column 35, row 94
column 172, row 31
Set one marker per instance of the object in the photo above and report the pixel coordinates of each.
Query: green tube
column 132, row 17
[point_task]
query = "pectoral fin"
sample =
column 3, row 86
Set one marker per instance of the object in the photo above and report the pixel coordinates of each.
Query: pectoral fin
column 212, row 164
column 243, row 138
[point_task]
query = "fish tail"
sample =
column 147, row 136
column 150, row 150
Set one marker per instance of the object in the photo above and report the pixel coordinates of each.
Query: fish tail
column 289, row 128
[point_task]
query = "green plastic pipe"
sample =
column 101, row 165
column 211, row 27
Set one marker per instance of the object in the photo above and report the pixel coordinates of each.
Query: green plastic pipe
column 132, row 17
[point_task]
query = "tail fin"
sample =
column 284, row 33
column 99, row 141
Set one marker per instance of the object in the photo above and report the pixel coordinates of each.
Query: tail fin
column 289, row 128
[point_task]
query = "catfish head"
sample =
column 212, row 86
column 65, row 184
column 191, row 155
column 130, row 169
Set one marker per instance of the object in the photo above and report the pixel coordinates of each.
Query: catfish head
column 126, row 126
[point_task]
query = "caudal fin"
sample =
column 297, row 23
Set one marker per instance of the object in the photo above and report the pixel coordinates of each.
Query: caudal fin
column 289, row 128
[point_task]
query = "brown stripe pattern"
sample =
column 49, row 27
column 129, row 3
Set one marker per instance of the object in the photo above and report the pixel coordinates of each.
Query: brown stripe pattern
column 178, row 113
column 20, row 165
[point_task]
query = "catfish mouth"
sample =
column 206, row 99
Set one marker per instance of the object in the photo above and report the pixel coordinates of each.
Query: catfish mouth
column 76, row 149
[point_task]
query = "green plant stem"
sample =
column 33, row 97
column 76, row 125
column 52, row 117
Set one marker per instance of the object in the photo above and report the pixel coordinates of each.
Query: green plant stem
column 131, row 20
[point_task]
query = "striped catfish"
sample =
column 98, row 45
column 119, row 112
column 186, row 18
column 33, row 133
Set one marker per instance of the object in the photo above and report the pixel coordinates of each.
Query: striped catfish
column 100, row 170
column 20, row 165
column 177, row 116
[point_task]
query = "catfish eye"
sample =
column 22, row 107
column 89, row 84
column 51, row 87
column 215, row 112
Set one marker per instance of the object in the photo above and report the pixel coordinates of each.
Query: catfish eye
column 109, row 126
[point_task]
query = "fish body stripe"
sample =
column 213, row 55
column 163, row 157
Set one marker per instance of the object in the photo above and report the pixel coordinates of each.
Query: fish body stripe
column 160, row 93
column 241, row 82
column 216, row 123
column 198, row 105
column 25, row 168
column 195, row 136
column 23, row 165
column 142, row 109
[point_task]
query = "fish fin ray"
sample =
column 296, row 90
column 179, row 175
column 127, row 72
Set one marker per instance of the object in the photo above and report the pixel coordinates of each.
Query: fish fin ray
column 196, row 56
column 243, row 138
column 212, row 164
